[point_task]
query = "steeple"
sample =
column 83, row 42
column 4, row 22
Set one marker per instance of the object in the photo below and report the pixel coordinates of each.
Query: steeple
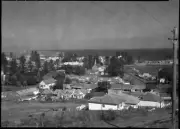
column 95, row 62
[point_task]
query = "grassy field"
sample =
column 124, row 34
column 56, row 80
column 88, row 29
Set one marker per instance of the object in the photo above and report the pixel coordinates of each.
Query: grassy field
column 14, row 88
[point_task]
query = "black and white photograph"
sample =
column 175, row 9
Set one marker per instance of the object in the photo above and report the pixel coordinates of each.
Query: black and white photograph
column 90, row 64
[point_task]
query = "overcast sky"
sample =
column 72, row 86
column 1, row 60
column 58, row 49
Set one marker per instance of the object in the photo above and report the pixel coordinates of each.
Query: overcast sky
column 87, row 25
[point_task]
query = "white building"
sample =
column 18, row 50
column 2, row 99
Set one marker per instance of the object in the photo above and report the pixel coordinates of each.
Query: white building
column 74, row 63
column 113, row 102
column 3, row 77
column 47, row 84
column 151, row 100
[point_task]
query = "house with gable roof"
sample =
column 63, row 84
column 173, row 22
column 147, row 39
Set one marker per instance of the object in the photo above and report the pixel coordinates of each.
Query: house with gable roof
column 151, row 100
column 47, row 84
column 112, row 102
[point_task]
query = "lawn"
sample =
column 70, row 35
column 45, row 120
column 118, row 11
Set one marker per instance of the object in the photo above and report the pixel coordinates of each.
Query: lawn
column 16, row 111
column 14, row 88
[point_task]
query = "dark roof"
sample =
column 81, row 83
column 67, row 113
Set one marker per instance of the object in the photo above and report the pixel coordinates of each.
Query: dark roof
column 90, row 86
column 151, row 97
column 139, row 87
column 94, row 94
column 49, row 81
column 121, row 86
column 115, row 99
column 136, row 94
column 74, row 86
column 107, row 99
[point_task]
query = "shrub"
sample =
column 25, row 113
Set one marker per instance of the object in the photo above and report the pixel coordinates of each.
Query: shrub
column 108, row 115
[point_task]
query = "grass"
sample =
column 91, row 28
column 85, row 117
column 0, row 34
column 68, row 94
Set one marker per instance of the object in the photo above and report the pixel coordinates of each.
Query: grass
column 14, row 88
column 75, row 118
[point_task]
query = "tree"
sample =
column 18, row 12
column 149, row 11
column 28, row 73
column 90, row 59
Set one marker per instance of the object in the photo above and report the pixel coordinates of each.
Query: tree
column 4, row 62
column 103, row 86
column 30, row 65
column 166, row 73
column 118, row 54
column 60, row 80
column 22, row 62
column 57, row 61
column 45, row 67
column 129, row 60
column 37, row 60
column 90, row 61
column 51, row 65
column 11, row 55
column 32, row 58
column 74, row 57
column 116, row 67
column 85, row 61
column 107, row 60
column 80, row 70
column 97, row 59
column 13, row 66
column 68, row 57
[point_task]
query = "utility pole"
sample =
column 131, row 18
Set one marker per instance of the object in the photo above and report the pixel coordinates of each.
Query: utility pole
column 175, row 42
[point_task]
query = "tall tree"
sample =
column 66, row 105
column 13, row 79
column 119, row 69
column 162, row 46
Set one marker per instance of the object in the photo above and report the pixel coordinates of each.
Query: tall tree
column 97, row 59
column 57, row 62
column 13, row 66
column 107, row 60
column 11, row 55
column 37, row 60
column 22, row 62
column 51, row 65
column 129, row 60
column 86, row 64
column 32, row 58
column 30, row 65
column 118, row 54
column 45, row 67
column 90, row 61
column 116, row 67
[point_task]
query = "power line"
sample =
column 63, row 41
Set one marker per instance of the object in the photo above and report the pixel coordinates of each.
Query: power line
column 142, row 9
column 153, row 16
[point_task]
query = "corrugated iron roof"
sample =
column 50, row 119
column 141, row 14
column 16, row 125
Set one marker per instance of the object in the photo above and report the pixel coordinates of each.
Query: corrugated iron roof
column 49, row 81
column 151, row 97
column 121, row 86
column 139, row 87
column 115, row 99
column 90, row 86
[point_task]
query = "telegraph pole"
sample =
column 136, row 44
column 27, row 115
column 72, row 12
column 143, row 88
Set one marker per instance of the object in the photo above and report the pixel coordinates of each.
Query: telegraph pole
column 175, row 42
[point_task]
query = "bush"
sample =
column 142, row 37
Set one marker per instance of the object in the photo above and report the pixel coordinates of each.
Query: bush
column 108, row 115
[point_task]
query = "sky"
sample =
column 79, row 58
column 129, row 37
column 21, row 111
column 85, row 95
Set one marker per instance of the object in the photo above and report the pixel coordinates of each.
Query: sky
column 55, row 25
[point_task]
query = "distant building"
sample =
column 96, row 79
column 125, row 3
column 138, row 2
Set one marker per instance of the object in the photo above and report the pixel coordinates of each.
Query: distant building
column 47, row 84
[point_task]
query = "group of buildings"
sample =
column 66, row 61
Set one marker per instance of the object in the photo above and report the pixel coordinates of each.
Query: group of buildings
column 119, row 96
